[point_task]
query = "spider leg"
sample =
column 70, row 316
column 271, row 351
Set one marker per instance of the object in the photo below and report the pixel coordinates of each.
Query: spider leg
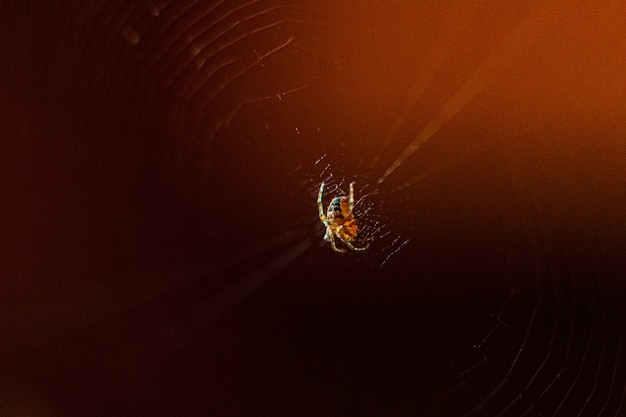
column 351, row 246
column 320, row 205
column 351, row 198
column 334, row 245
column 328, row 233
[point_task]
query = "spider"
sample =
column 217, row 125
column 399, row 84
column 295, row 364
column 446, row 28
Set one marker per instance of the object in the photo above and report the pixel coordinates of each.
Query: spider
column 339, row 220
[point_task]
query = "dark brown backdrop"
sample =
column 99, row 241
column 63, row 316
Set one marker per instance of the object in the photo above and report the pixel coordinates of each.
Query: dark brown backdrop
column 161, row 252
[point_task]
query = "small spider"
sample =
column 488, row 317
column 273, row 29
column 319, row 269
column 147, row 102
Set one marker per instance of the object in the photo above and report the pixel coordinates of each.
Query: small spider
column 339, row 220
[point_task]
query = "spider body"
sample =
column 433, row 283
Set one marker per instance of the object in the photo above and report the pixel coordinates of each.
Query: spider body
column 339, row 220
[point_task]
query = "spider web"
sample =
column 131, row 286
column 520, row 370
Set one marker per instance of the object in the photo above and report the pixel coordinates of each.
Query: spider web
column 369, row 209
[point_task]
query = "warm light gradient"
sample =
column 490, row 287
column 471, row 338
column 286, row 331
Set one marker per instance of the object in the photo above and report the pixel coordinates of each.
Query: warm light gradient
column 162, row 250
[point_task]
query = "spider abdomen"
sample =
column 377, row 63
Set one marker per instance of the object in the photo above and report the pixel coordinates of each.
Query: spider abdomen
column 348, row 230
column 339, row 210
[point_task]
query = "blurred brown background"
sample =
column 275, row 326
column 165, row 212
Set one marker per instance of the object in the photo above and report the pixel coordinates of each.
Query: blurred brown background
column 161, row 252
